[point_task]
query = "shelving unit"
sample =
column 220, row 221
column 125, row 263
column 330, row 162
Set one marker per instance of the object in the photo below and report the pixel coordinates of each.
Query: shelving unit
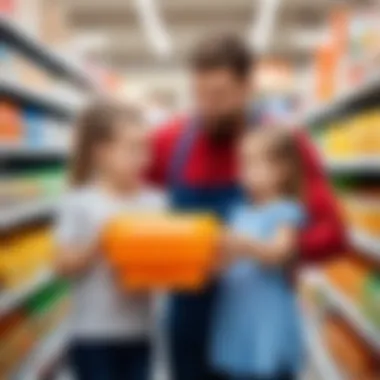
column 59, row 107
column 12, row 299
column 352, row 314
column 55, row 104
column 367, row 165
column 320, row 359
column 27, row 212
column 342, row 103
column 361, row 105
column 11, row 151
column 45, row 352
column 62, row 67
column 368, row 245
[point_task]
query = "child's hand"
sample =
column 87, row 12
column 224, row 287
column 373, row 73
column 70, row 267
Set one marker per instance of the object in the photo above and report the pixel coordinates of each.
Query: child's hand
column 233, row 245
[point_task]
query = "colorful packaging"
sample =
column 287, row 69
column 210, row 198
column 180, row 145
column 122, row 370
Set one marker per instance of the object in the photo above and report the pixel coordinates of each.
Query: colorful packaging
column 11, row 129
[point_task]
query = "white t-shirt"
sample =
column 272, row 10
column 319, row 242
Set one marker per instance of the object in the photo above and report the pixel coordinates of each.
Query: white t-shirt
column 101, row 309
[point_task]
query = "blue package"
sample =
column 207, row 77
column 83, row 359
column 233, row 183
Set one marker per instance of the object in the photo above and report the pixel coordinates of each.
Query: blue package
column 33, row 121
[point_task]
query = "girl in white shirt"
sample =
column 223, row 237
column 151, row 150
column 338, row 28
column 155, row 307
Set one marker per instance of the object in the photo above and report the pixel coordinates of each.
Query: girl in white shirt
column 110, row 328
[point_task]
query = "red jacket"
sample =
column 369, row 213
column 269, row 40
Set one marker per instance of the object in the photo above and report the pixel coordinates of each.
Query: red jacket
column 323, row 236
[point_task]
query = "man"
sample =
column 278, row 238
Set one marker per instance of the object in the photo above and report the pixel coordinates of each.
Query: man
column 194, row 158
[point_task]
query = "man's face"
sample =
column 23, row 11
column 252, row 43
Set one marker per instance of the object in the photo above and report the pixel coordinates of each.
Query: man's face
column 220, row 98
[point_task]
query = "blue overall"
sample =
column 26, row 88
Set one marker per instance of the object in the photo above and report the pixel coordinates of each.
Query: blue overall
column 190, row 314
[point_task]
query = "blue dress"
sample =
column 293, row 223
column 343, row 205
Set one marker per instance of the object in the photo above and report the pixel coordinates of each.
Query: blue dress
column 257, row 323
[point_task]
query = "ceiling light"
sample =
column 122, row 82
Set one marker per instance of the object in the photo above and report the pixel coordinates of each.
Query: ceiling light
column 153, row 26
column 263, row 29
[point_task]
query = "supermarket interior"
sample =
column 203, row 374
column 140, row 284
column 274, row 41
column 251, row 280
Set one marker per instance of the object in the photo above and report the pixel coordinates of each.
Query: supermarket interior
column 316, row 71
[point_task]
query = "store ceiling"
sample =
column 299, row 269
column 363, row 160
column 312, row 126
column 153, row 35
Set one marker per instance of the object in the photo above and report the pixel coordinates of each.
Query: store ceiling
column 297, row 28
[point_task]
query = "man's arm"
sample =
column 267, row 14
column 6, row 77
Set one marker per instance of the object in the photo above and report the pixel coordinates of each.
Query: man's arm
column 324, row 236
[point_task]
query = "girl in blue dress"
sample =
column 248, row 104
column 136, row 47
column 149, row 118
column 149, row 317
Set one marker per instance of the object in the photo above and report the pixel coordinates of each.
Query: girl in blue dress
column 257, row 326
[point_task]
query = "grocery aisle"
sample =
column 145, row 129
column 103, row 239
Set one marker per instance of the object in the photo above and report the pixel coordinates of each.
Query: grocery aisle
column 346, row 291
column 41, row 92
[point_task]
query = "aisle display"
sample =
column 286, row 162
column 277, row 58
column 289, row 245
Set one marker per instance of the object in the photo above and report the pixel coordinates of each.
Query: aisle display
column 18, row 40
column 346, row 130
column 31, row 186
column 31, row 127
column 15, row 66
column 10, row 122
column 37, row 103
column 353, row 137
column 363, row 50
column 363, row 212
column 23, row 256
column 22, row 330
column 349, row 351
column 349, row 276
column 359, row 282
column 349, row 142
column 371, row 299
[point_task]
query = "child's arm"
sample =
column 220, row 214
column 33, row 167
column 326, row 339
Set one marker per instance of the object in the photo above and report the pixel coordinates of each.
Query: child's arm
column 75, row 252
column 277, row 251
column 74, row 260
column 289, row 218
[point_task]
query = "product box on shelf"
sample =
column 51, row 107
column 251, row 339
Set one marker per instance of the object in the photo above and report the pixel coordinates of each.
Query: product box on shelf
column 17, row 339
column 352, row 355
column 31, row 186
column 34, row 123
column 23, row 256
column 11, row 128
column 371, row 299
column 356, row 136
column 348, row 275
column 362, row 211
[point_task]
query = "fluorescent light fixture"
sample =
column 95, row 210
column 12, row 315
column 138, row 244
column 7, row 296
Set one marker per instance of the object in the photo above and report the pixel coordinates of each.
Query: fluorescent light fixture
column 153, row 26
column 262, row 30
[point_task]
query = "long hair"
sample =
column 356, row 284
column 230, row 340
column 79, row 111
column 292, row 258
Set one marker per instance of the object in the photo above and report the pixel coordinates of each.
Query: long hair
column 96, row 125
column 284, row 150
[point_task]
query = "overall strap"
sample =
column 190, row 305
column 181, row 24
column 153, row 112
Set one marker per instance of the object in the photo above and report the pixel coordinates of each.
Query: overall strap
column 182, row 151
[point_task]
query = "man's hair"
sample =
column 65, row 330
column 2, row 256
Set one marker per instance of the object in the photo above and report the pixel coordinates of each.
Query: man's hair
column 222, row 51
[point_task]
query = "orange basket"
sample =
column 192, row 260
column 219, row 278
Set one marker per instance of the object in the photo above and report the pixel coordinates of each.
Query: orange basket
column 162, row 251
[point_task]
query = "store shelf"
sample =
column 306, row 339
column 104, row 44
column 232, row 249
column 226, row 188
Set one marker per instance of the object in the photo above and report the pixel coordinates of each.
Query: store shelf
column 22, row 213
column 320, row 358
column 49, row 349
column 21, row 151
column 54, row 63
column 368, row 165
column 342, row 102
column 11, row 299
column 52, row 103
column 368, row 245
column 352, row 314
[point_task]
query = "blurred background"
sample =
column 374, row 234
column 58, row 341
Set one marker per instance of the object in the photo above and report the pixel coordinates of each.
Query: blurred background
column 319, row 69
